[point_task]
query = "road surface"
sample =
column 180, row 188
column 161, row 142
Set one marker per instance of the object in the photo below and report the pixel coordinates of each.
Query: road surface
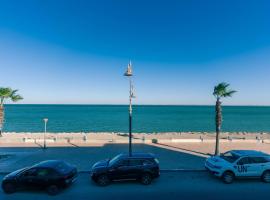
column 171, row 185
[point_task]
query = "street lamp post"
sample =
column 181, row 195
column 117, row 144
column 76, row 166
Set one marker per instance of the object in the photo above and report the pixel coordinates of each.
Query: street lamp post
column 45, row 131
column 129, row 74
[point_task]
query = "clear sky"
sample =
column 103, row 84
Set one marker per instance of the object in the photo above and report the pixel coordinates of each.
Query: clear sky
column 77, row 51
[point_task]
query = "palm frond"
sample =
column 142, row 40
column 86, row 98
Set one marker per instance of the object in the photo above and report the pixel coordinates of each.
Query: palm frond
column 229, row 93
column 221, row 90
column 13, row 92
column 16, row 98
column 5, row 92
column 8, row 93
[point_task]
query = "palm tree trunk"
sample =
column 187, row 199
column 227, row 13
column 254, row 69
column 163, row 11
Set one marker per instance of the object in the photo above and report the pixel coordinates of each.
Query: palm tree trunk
column 1, row 119
column 218, row 124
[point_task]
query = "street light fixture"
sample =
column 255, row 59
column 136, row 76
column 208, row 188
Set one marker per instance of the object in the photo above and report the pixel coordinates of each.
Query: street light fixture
column 45, row 131
column 129, row 74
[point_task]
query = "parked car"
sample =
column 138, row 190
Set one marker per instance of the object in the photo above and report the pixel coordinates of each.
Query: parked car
column 51, row 175
column 143, row 167
column 240, row 164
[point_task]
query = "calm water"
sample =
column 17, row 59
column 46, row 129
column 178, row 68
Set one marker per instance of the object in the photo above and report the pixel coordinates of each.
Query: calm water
column 96, row 118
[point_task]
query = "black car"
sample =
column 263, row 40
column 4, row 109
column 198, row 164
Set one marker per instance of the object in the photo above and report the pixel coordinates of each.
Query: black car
column 140, row 166
column 51, row 175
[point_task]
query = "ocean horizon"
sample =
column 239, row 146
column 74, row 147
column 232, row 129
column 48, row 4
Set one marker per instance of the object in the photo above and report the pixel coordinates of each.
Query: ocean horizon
column 146, row 118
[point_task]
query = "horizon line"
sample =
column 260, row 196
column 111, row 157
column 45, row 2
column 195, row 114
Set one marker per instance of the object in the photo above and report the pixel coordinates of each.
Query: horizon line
column 96, row 104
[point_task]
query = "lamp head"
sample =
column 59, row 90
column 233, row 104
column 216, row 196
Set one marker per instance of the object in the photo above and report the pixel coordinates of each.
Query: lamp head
column 129, row 70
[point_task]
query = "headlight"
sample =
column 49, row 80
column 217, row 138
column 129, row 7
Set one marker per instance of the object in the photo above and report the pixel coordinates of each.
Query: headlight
column 217, row 167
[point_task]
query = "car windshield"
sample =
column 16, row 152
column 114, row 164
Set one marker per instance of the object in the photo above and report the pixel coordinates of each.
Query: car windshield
column 114, row 160
column 229, row 156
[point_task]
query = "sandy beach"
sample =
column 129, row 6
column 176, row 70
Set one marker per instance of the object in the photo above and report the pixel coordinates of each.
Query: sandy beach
column 121, row 137
column 191, row 141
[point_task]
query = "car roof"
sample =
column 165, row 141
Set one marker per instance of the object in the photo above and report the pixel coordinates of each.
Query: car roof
column 137, row 155
column 49, row 163
column 249, row 153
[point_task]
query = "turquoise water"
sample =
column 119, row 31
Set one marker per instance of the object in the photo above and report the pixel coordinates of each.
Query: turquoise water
column 97, row 118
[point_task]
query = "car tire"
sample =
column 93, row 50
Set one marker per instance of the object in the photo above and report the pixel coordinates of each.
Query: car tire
column 9, row 188
column 266, row 176
column 146, row 179
column 52, row 190
column 103, row 180
column 228, row 177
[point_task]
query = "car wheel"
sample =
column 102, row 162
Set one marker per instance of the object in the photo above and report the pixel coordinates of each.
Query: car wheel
column 266, row 177
column 9, row 188
column 103, row 180
column 52, row 190
column 228, row 177
column 146, row 179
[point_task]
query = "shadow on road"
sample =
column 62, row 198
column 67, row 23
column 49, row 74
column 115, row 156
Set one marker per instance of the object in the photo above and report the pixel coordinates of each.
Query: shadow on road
column 85, row 157
column 183, row 149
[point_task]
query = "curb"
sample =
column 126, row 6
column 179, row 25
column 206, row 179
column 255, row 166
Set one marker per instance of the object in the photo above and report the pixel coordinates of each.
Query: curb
column 183, row 170
column 162, row 170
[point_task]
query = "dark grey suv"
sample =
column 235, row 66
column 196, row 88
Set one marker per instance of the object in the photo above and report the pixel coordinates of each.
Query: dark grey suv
column 143, row 167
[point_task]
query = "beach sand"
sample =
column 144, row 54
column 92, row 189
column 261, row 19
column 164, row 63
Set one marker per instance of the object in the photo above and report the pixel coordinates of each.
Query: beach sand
column 191, row 141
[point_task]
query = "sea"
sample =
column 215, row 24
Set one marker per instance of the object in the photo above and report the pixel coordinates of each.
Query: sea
column 145, row 118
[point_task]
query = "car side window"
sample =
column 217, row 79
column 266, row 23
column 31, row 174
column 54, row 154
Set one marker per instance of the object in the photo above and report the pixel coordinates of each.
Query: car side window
column 146, row 162
column 135, row 162
column 257, row 160
column 122, row 163
column 243, row 161
column 43, row 172
column 30, row 172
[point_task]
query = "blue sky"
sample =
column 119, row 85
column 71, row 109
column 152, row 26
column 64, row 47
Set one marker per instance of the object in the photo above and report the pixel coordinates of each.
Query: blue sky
column 77, row 51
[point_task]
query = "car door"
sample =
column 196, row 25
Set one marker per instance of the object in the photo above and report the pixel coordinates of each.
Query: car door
column 43, row 177
column 135, row 168
column 119, row 170
column 27, row 178
column 244, row 168
column 258, row 165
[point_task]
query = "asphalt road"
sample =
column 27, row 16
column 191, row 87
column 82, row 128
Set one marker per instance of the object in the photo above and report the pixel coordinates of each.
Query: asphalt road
column 171, row 185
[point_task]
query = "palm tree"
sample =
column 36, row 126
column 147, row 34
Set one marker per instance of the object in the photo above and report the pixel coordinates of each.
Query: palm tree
column 220, row 91
column 5, row 94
